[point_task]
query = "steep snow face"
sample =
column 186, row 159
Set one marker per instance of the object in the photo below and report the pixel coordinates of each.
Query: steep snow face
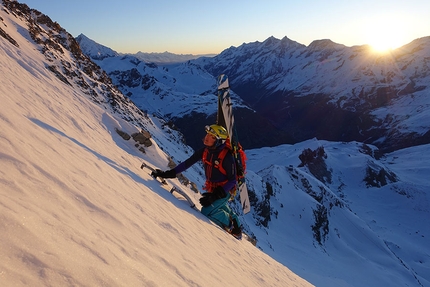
column 77, row 210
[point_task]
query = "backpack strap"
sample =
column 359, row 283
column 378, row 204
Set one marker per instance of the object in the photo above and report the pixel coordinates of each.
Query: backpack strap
column 218, row 164
column 209, row 186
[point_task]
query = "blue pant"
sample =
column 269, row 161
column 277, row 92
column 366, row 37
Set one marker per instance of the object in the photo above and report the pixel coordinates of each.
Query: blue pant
column 220, row 213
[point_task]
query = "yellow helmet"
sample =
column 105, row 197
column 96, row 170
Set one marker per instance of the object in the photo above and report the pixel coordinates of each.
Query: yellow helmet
column 217, row 131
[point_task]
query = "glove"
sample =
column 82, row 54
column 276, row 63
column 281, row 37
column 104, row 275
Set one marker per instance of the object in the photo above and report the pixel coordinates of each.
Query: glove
column 164, row 174
column 219, row 192
column 206, row 199
column 209, row 197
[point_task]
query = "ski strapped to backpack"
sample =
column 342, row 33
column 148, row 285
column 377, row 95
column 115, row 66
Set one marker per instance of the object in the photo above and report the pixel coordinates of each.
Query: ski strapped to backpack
column 225, row 118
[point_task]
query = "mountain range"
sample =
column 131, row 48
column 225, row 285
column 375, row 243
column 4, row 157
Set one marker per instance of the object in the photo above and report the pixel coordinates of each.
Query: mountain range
column 99, row 52
column 336, row 213
column 292, row 93
column 333, row 92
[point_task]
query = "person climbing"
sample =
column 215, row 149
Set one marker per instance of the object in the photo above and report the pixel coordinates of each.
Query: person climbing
column 220, row 172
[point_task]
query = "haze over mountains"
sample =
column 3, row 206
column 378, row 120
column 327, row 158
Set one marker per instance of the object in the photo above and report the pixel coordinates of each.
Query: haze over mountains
column 336, row 213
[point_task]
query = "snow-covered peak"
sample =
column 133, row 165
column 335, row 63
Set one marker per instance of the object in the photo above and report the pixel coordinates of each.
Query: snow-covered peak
column 287, row 42
column 93, row 49
column 324, row 44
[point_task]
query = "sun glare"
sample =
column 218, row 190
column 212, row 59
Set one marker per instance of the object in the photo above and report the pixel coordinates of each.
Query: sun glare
column 384, row 33
column 382, row 46
column 384, row 41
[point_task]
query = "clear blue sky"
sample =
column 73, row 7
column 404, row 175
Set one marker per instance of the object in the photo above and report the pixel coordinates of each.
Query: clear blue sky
column 204, row 26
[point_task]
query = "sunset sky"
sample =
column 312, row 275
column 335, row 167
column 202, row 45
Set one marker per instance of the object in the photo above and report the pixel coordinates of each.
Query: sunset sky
column 203, row 26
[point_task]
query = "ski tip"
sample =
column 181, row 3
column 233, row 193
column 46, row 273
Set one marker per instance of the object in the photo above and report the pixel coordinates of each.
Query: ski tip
column 222, row 77
column 222, row 82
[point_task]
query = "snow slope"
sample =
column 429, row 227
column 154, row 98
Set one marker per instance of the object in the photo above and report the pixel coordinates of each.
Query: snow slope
column 76, row 210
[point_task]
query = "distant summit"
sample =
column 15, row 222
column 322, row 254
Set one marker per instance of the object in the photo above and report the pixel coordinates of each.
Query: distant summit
column 99, row 52
column 167, row 57
column 324, row 44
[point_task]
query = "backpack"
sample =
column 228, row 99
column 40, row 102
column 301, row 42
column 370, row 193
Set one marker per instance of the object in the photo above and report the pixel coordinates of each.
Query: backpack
column 239, row 159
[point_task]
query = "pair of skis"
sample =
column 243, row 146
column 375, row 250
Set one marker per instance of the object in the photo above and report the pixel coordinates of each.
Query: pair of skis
column 225, row 118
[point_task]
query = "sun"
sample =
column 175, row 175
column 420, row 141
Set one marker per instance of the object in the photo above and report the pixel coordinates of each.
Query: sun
column 384, row 33
column 384, row 41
